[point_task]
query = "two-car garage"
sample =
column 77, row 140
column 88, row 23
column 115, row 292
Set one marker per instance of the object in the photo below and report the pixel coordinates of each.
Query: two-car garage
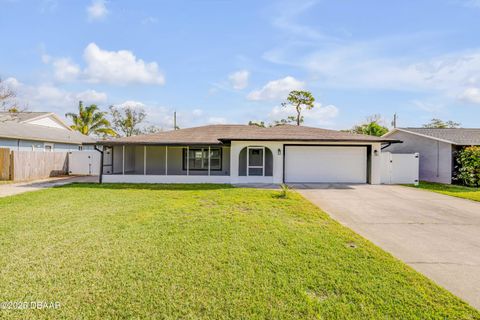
column 325, row 164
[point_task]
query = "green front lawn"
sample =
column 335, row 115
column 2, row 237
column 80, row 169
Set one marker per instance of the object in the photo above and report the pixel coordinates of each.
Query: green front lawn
column 452, row 190
column 200, row 251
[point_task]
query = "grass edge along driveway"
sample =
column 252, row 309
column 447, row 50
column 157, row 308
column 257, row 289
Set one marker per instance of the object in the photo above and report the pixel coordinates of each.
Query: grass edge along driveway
column 450, row 190
column 200, row 251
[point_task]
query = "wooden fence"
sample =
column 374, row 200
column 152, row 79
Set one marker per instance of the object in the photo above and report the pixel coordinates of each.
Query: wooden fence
column 4, row 164
column 31, row 165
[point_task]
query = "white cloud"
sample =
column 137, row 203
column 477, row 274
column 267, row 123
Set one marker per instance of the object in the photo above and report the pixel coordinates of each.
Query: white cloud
column 239, row 79
column 47, row 97
column 365, row 65
column 430, row 105
column 197, row 112
column 97, row 10
column 103, row 66
column 287, row 14
column 48, row 6
column 156, row 115
column 276, row 89
column 318, row 116
column 162, row 116
column 119, row 67
column 472, row 3
column 91, row 96
column 46, row 58
column 217, row 120
column 471, row 95
column 65, row 69
column 149, row 20
column 132, row 104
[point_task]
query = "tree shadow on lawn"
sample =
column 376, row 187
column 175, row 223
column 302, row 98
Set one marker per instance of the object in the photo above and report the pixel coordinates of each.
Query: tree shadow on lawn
column 148, row 186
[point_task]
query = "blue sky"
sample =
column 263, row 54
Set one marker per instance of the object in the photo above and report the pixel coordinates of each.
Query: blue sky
column 218, row 61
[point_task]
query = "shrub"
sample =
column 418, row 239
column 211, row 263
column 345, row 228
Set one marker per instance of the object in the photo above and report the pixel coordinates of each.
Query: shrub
column 469, row 166
column 283, row 191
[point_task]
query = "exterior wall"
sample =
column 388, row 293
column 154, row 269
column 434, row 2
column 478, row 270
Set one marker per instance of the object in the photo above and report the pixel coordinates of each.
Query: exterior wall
column 9, row 143
column 435, row 156
column 127, row 178
column 27, row 145
column 230, row 164
column 275, row 146
column 69, row 147
column 31, row 145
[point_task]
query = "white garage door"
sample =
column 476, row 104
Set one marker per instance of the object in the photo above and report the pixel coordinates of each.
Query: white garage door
column 321, row 164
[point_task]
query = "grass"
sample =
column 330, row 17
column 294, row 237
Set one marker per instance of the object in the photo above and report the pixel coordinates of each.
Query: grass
column 451, row 190
column 200, row 251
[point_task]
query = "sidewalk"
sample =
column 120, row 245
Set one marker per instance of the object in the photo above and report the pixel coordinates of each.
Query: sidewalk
column 10, row 189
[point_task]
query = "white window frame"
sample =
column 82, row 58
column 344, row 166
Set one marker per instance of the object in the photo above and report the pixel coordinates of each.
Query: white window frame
column 256, row 167
column 45, row 145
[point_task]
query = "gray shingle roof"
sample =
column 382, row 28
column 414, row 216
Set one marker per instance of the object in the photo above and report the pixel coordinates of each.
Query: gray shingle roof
column 217, row 134
column 458, row 136
column 13, row 128
column 21, row 116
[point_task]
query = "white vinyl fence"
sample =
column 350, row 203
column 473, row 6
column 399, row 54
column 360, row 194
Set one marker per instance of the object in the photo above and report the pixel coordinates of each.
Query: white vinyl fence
column 84, row 162
column 400, row 168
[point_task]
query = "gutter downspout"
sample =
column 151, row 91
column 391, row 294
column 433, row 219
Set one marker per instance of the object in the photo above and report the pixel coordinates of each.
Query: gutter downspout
column 101, row 164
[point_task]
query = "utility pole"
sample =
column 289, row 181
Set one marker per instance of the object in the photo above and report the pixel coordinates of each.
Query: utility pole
column 394, row 122
column 175, row 120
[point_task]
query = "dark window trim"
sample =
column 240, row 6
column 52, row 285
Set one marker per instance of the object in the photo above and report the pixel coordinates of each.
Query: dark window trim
column 184, row 158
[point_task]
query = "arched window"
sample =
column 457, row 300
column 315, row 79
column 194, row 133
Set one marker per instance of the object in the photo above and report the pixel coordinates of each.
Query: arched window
column 255, row 161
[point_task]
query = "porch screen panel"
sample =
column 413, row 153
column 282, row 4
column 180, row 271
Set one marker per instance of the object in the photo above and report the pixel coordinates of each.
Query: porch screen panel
column 155, row 160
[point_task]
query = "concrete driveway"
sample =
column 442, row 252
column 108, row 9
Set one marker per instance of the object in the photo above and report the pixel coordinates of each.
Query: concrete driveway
column 10, row 189
column 435, row 234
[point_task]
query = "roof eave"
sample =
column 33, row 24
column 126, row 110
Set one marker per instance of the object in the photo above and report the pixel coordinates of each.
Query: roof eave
column 149, row 143
column 224, row 141
column 318, row 140
column 418, row 134
column 44, row 140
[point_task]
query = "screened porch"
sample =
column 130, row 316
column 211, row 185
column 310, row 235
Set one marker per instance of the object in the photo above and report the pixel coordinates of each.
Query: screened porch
column 166, row 160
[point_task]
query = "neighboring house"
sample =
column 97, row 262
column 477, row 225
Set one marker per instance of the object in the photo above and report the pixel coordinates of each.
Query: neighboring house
column 244, row 154
column 38, row 131
column 436, row 147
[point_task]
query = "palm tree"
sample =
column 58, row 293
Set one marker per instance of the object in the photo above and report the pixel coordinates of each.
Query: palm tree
column 90, row 120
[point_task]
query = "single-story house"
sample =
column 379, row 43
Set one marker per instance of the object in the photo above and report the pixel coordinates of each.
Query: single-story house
column 437, row 148
column 244, row 154
column 39, row 131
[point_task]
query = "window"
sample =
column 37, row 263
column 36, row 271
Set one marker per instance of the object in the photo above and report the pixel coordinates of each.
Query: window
column 198, row 159
column 80, row 148
column 48, row 147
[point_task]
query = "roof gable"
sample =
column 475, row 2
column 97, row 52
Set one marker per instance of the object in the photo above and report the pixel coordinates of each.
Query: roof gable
column 457, row 136
column 46, row 119
column 38, row 126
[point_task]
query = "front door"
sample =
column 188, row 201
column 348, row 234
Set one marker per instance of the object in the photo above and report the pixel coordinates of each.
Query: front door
column 256, row 161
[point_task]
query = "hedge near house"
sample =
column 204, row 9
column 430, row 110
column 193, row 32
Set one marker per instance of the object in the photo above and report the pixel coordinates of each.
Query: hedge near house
column 469, row 166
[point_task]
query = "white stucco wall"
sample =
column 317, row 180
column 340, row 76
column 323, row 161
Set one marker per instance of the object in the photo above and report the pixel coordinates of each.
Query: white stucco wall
column 30, row 145
column 436, row 159
column 233, row 157
column 274, row 146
